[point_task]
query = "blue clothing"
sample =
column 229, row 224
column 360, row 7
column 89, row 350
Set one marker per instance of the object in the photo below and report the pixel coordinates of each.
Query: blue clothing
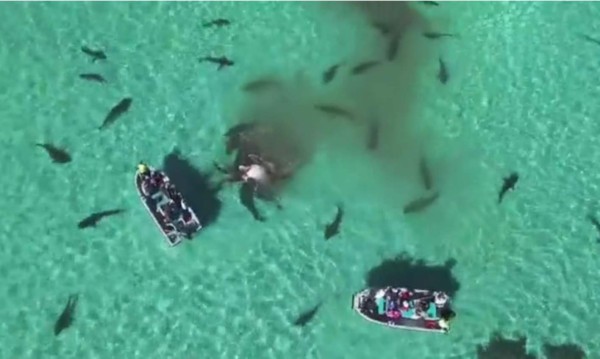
column 392, row 305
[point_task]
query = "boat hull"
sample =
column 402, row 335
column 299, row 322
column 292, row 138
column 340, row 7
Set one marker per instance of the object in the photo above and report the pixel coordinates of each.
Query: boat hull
column 367, row 305
column 157, row 204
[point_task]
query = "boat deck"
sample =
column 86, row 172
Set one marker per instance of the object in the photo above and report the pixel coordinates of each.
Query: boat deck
column 167, row 207
column 404, row 309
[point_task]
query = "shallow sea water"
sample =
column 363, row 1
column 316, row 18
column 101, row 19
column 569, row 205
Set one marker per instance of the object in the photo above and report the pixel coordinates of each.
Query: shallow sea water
column 522, row 96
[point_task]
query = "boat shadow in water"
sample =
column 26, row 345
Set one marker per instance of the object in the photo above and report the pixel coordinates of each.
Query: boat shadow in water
column 195, row 187
column 567, row 350
column 404, row 271
column 499, row 347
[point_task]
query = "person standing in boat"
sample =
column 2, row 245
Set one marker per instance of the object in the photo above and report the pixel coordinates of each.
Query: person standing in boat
column 440, row 299
column 143, row 170
column 148, row 185
column 444, row 324
column 147, row 174
column 172, row 193
column 405, row 294
column 158, row 179
column 446, row 317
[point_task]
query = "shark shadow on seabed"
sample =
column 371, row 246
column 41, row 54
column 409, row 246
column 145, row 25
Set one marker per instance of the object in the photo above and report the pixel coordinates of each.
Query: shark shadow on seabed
column 195, row 187
column 404, row 271
column 560, row 351
column 500, row 347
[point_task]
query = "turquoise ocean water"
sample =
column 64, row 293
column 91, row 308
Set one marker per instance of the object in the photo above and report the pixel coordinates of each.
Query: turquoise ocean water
column 522, row 95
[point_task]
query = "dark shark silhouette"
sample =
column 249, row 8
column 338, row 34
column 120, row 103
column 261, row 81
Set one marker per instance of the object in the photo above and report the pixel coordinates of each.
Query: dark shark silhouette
column 425, row 173
column 66, row 318
column 93, row 219
column 364, row 67
column 421, row 203
column 443, row 74
column 58, row 155
column 596, row 223
column 437, row 35
column 393, row 45
column 93, row 77
column 508, row 185
column 333, row 228
column 383, row 28
column 329, row 75
column 217, row 23
column 221, row 61
column 94, row 54
column 117, row 111
column 306, row 317
column 334, row 110
column 590, row 39
column 247, row 196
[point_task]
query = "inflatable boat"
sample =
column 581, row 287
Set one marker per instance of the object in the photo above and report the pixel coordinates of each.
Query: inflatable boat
column 404, row 308
column 175, row 219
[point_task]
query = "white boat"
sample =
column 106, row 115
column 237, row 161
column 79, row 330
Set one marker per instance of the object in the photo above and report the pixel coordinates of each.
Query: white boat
column 404, row 308
column 175, row 219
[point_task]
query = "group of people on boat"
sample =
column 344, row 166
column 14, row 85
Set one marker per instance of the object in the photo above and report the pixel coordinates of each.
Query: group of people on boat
column 395, row 304
column 154, row 182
